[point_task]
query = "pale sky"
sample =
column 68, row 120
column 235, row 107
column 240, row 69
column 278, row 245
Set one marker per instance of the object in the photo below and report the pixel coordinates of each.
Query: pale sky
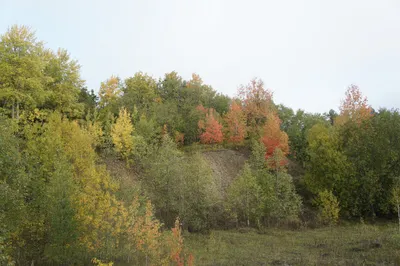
column 307, row 51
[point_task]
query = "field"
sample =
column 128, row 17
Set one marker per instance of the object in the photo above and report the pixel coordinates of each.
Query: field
column 359, row 244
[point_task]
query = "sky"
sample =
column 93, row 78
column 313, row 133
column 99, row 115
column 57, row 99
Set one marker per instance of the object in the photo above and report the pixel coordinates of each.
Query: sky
column 307, row 52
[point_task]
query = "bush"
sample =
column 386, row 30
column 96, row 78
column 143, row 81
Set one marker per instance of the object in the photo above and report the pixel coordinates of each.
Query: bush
column 328, row 208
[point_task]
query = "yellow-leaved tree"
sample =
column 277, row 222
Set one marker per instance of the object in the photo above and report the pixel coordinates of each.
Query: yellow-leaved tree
column 121, row 134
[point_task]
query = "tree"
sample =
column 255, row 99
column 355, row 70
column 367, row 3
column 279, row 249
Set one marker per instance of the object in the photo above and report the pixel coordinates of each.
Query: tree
column 65, row 85
column 396, row 198
column 287, row 204
column 13, row 188
column 257, row 157
column 148, row 129
column 139, row 91
column 245, row 199
column 163, row 180
column 328, row 208
column 110, row 91
column 327, row 166
column 121, row 134
column 355, row 107
column 331, row 115
column 274, row 138
column 257, row 103
column 212, row 133
column 200, row 200
column 220, row 103
column 236, row 124
column 297, row 125
column 22, row 65
column 170, row 88
column 88, row 100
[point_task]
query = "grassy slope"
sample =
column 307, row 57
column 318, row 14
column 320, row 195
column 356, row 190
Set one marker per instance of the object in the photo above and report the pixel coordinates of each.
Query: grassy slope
column 344, row 245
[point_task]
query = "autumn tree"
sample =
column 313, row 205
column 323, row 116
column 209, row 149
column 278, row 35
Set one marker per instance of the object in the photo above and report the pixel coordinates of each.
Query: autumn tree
column 257, row 103
column 122, row 134
column 236, row 124
column 211, row 129
column 274, row 138
column 354, row 107
column 110, row 91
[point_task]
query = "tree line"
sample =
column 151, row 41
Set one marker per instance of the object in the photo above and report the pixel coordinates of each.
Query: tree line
column 60, row 205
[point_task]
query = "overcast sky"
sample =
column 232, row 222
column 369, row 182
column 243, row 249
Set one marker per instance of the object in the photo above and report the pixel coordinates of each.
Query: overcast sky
column 307, row 52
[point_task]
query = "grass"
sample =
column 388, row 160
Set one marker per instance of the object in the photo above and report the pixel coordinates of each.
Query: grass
column 343, row 245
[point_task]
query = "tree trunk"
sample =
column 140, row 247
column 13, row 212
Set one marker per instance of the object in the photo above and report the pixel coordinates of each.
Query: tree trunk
column 12, row 112
column 398, row 213
column 17, row 110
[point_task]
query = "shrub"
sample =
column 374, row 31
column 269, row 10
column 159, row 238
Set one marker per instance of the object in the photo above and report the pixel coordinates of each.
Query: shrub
column 328, row 208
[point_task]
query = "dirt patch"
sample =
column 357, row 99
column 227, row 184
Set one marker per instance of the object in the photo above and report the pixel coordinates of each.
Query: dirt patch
column 226, row 165
column 118, row 170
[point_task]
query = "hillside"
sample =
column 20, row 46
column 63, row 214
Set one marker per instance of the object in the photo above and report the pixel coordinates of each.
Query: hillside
column 226, row 165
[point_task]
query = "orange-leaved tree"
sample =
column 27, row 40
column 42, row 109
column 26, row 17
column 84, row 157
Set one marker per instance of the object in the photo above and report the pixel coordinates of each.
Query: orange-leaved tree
column 355, row 107
column 274, row 138
column 174, row 242
column 236, row 124
column 257, row 103
column 211, row 129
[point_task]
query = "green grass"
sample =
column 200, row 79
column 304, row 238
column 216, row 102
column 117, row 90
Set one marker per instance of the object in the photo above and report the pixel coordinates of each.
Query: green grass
column 345, row 245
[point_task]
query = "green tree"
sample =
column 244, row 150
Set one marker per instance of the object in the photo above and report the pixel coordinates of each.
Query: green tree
column 329, row 208
column 140, row 91
column 327, row 166
column 23, row 84
column 65, row 85
column 121, row 134
column 13, row 188
column 245, row 198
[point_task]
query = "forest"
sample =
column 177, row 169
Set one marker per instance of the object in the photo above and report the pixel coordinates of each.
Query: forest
column 120, row 176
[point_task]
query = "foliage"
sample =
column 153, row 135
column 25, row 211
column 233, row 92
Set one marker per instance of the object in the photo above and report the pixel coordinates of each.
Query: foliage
column 327, row 165
column 274, row 138
column 211, row 129
column 328, row 207
column 245, row 199
column 355, row 107
column 139, row 91
column 101, row 263
column 59, row 141
column 109, row 92
column 297, row 125
column 121, row 134
column 236, row 124
column 257, row 102
column 257, row 157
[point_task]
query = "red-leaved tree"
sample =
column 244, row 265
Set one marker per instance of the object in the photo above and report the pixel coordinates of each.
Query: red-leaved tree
column 211, row 129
